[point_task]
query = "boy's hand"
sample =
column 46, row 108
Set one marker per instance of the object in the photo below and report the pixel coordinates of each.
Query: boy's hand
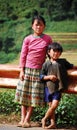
column 52, row 78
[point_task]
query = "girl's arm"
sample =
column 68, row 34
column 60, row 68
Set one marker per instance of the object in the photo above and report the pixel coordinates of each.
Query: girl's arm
column 21, row 76
column 24, row 52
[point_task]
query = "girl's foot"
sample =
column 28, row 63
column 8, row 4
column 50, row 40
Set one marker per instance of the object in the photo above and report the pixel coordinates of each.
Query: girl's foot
column 43, row 123
column 26, row 125
column 20, row 124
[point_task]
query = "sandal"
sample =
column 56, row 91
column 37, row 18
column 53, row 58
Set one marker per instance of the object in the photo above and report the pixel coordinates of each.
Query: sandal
column 19, row 124
column 26, row 125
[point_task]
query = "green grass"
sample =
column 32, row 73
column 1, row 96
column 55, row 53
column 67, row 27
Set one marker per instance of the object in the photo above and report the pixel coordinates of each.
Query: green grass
column 62, row 26
column 63, row 32
column 71, row 56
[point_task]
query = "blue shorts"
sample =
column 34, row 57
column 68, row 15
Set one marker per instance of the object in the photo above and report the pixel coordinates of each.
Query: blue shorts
column 50, row 97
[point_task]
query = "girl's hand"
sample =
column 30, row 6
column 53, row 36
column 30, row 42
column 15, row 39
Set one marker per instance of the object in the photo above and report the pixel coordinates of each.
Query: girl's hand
column 21, row 76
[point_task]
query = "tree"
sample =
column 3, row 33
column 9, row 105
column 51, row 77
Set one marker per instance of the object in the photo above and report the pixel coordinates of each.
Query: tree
column 8, row 44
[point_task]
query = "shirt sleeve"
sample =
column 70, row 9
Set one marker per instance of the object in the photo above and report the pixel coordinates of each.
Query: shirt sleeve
column 43, row 71
column 24, row 52
column 68, row 65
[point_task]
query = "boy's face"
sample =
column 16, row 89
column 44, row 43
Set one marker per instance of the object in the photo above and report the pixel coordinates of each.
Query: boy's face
column 38, row 27
column 54, row 54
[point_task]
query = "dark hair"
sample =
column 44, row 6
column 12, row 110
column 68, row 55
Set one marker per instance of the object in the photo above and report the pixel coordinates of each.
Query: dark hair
column 55, row 46
column 39, row 18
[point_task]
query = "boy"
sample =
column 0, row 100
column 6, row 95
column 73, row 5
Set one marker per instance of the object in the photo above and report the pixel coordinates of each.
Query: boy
column 54, row 75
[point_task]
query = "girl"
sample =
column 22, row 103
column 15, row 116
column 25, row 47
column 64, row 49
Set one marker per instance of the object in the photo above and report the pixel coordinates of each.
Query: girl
column 30, row 92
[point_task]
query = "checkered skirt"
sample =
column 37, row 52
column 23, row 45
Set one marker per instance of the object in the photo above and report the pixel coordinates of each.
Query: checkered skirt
column 30, row 92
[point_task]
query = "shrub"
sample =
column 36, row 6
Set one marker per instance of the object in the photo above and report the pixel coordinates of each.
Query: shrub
column 7, row 104
column 5, row 58
column 66, row 113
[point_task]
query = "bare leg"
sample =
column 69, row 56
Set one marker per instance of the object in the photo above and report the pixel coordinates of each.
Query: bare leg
column 52, row 122
column 23, row 114
column 43, row 122
column 27, row 118
column 43, row 119
column 50, row 112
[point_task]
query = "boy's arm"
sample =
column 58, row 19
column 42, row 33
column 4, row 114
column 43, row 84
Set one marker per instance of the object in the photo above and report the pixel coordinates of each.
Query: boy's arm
column 74, row 67
column 44, row 76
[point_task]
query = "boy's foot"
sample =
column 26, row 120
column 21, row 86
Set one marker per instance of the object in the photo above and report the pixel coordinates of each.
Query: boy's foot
column 50, row 127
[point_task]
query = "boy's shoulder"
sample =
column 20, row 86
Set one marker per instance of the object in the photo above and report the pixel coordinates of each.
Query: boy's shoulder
column 61, row 60
column 47, row 63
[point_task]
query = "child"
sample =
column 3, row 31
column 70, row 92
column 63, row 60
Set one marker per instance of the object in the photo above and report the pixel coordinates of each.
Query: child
column 30, row 92
column 54, row 73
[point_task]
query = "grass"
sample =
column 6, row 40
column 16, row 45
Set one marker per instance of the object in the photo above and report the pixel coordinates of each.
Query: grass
column 67, row 26
column 71, row 56
column 64, row 32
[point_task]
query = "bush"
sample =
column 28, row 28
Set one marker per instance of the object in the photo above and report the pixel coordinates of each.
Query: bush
column 5, row 58
column 7, row 104
column 66, row 113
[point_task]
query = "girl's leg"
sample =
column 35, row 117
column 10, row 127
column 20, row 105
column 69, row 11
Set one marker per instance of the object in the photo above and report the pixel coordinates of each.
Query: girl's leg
column 29, row 113
column 27, row 117
column 23, row 114
column 50, row 111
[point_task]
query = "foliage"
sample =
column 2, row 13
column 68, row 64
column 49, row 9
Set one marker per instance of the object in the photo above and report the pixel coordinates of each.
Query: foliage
column 15, row 19
column 66, row 113
column 52, row 9
column 7, row 104
column 67, row 110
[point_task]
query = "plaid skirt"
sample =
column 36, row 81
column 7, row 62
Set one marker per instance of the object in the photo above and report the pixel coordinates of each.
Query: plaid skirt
column 30, row 91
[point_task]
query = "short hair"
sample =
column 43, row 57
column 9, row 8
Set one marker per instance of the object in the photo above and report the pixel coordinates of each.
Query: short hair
column 55, row 46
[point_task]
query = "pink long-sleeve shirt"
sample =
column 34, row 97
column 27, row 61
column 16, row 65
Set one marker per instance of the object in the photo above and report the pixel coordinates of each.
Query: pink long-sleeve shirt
column 33, row 51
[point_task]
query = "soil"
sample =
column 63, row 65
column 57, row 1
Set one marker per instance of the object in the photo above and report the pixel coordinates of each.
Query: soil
column 9, row 119
column 14, row 119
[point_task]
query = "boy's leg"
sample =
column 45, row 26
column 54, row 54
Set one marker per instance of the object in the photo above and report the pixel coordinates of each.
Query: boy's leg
column 50, row 112
column 52, row 122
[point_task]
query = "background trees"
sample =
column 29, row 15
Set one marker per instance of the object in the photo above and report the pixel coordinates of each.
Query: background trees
column 15, row 19
column 54, row 9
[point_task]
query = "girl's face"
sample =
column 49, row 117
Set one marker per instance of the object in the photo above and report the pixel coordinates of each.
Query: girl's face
column 38, row 27
column 54, row 54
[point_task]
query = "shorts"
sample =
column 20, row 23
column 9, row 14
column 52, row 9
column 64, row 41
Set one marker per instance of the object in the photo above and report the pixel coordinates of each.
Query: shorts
column 48, row 97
